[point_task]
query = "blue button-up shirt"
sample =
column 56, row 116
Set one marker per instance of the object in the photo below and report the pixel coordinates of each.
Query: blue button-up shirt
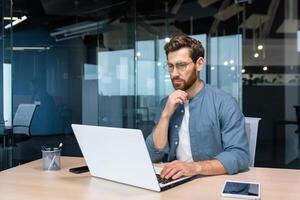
column 217, row 131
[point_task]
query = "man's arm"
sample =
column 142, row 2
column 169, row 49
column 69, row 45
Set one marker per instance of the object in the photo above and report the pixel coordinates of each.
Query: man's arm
column 157, row 141
column 160, row 134
column 235, row 156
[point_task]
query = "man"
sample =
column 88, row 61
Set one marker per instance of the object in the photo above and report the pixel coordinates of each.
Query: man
column 200, row 129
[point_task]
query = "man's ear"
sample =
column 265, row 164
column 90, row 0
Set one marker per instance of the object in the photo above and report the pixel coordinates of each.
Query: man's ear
column 200, row 63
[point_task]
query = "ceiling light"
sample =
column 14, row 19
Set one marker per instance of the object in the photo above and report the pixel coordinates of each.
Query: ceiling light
column 260, row 47
column 159, row 64
column 256, row 55
column 167, row 39
column 138, row 54
column 15, row 22
column 265, row 68
column 10, row 18
column 212, row 68
column 232, row 68
column 226, row 63
column 243, row 71
column 231, row 61
column 31, row 48
column 80, row 29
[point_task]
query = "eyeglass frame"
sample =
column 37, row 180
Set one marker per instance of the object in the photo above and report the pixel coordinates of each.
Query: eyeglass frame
column 180, row 66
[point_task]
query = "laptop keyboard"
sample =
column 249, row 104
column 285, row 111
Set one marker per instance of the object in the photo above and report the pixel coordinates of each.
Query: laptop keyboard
column 163, row 180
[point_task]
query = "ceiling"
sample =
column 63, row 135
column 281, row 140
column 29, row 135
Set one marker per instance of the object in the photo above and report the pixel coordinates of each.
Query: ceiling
column 215, row 17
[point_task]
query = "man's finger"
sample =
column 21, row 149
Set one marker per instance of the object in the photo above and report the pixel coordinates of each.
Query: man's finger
column 184, row 98
column 171, row 173
column 178, row 175
column 178, row 101
column 165, row 170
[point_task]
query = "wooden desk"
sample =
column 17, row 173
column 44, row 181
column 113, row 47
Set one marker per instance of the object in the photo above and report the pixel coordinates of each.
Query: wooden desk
column 30, row 182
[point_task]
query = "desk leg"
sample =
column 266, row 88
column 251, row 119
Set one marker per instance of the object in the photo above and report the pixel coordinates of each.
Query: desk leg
column 6, row 158
column 10, row 157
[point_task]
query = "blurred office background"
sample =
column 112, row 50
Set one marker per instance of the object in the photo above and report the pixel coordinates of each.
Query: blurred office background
column 101, row 62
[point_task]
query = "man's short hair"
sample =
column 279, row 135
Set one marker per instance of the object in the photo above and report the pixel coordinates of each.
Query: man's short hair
column 184, row 41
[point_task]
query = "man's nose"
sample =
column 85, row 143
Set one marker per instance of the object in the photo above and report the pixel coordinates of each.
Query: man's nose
column 174, row 72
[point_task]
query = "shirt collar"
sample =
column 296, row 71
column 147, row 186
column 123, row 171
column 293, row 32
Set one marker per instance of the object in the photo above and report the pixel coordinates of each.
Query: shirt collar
column 200, row 93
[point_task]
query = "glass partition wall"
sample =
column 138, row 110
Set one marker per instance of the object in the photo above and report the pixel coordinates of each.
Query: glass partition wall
column 6, row 54
column 102, row 63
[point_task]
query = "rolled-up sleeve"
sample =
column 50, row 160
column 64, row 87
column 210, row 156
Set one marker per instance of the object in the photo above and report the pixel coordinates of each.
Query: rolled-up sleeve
column 156, row 155
column 235, row 157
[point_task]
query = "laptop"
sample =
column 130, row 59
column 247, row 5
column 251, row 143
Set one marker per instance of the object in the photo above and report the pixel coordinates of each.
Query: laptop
column 121, row 155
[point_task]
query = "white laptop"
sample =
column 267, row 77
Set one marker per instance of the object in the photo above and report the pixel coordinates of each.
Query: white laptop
column 120, row 155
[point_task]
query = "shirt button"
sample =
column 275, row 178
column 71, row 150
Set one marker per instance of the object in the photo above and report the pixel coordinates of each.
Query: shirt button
column 176, row 143
column 176, row 126
column 182, row 111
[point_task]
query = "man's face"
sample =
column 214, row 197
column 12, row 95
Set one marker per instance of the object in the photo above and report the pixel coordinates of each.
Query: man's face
column 185, row 74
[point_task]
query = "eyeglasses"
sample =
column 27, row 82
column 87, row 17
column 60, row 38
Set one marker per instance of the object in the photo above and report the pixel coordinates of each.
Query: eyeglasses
column 181, row 66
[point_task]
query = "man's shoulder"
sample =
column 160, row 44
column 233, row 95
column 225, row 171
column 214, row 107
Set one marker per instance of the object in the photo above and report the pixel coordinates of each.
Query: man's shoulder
column 224, row 102
column 214, row 92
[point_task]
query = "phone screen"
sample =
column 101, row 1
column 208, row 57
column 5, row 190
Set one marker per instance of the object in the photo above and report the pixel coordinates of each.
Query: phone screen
column 237, row 188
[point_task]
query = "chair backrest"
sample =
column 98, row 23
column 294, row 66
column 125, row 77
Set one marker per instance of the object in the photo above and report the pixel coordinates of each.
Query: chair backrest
column 252, row 129
column 23, row 118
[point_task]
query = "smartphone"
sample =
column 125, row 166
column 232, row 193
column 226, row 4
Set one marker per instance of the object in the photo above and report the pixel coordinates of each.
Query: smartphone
column 241, row 189
column 79, row 170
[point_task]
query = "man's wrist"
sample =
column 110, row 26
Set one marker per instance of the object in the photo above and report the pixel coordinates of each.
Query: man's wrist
column 198, row 168
column 165, row 115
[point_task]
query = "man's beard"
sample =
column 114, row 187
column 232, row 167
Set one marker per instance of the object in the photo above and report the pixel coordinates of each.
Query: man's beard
column 184, row 85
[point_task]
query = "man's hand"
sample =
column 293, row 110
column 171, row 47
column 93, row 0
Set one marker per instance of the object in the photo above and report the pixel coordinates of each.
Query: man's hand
column 175, row 98
column 177, row 169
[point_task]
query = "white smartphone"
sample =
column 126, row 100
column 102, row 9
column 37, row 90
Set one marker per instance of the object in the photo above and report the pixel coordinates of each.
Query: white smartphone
column 241, row 189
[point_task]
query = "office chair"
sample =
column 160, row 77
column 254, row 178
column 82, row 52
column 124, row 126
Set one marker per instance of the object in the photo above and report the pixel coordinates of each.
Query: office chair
column 21, row 123
column 252, row 130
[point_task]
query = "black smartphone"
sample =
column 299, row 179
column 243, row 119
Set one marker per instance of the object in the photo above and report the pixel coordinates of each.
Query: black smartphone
column 79, row 170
